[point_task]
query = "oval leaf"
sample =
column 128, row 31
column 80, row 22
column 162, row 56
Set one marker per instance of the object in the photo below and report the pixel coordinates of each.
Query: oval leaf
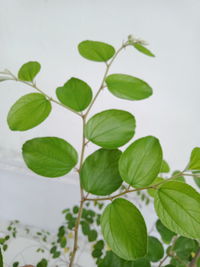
column 49, row 156
column 164, row 167
column 99, row 174
column 96, row 51
column 178, row 207
column 143, row 50
column 75, row 94
column 140, row 163
column 128, row 87
column 124, row 229
column 155, row 249
column 112, row 260
column 29, row 111
column 29, row 70
column 110, row 128
column 195, row 159
column 164, row 232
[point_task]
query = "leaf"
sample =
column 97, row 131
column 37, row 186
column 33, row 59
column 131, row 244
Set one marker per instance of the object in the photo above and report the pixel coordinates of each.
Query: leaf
column 165, row 233
column 184, row 247
column 128, row 87
column 197, row 181
column 29, row 70
column 112, row 260
column 92, row 235
column 164, row 167
column 194, row 163
column 29, row 111
column 99, row 173
column 42, row 263
column 1, row 259
column 178, row 207
column 155, row 249
column 15, row 264
column 124, row 229
column 75, row 94
column 110, row 128
column 49, row 156
column 96, row 51
column 143, row 50
column 152, row 191
column 140, row 163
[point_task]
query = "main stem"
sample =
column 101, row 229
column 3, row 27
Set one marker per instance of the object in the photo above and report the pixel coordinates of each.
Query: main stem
column 84, row 143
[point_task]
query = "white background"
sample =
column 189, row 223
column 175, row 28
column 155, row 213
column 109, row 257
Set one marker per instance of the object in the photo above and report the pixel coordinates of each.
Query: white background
column 49, row 31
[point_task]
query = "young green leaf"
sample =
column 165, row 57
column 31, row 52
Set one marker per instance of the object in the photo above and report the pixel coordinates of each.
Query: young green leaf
column 28, row 71
column 110, row 128
column 140, row 163
column 178, row 178
column 99, row 173
column 96, row 51
column 178, row 207
column 49, row 156
column 42, row 263
column 124, row 229
column 155, row 249
column 29, row 111
column 112, row 260
column 143, row 49
column 184, row 247
column 128, row 87
column 75, row 94
column 164, row 167
column 165, row 233
column 195, row 159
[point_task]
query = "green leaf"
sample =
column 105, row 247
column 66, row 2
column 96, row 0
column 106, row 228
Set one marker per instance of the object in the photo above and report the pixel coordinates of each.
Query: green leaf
column 165, row 233
column 184, row 247
column 85, row 228
column 178, row 178
column 15, row 264
column 194, row 163
column 124, row 229
column 197, row 181
column 1, row 259
column 128, row 87
column 177, row 205
column 112, row 260
column 75, row 94
column 110, row 128
column 49, row 156
column 99, row 173
column 42, row 263
column 28, row 71
column 143, row 50
column 164, row 167
column 63, row 242
column 155, row 249
column 152, row 191
column 140, row 163
column 96, row 51
column 29, row 111
column 92, row 235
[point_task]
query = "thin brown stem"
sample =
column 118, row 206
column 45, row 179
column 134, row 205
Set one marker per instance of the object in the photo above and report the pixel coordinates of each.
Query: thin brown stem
column 33, row 85
column 163, row 260
column 192, row 174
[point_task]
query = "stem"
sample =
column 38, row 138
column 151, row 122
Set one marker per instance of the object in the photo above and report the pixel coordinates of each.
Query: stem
column 108, row 65
column 33, row 85
column 193, row 175
column 133, row 190
column 163, row 260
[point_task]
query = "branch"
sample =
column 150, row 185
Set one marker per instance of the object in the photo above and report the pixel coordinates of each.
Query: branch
column 33, row 85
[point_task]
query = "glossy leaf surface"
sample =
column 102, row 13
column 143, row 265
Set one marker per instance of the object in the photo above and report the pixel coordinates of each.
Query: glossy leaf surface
column 128, row 87
column 110, row 128
column 124, row 230
column 28, row 71
column 49, row 156
column 99, row 174
column 75, row 94
column 140, row 163
column 29, row 111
